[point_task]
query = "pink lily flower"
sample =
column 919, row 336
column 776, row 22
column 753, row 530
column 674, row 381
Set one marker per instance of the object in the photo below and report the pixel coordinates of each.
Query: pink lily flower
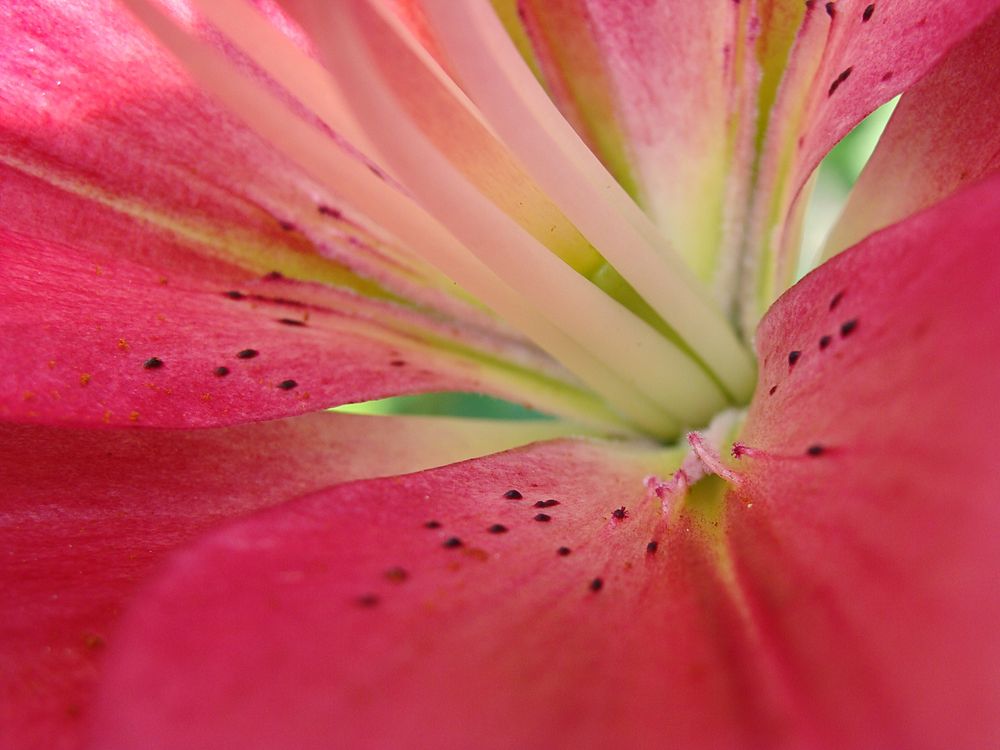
column 765, row 512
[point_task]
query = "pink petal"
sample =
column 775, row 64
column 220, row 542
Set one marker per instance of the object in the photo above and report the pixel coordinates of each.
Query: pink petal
column 846, row 60
column 869, row 555
column 943, row 135
column 372, row 630
column 93, row 337
column 846, row 597
column 76, row 112
column 88, row 515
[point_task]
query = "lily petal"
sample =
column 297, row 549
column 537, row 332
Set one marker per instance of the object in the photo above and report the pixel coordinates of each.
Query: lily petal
column 76, row 551
column 942, row 136
column 505, row 626
column 868, row 551
column 848, row 57
column 72, row 116
column 169, row 339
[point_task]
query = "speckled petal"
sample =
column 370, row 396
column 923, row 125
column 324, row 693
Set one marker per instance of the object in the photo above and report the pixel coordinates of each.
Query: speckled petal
column 390, row 614
column 127, row 327
column 88, row 515
column 942, row 136
column 846, row 58
column 869, row 554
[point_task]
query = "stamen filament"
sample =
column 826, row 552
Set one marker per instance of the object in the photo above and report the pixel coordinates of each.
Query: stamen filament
column 335, row 169
column 517, row 108
column 653, row 365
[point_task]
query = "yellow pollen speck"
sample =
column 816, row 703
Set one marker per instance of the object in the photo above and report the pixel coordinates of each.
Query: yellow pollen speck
column 133, row 416
column 477, row 553
column 93, row 641
column 98, row 270
column 206, row 397
column 123, row 345
column 84, row 378
column 107, row 417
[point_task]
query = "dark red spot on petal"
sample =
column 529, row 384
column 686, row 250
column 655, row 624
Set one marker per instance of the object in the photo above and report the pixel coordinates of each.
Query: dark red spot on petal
column 772, row 389
column 247, row 353
column 867, row 15
column 233, row 294
column 844, row 75
column 815, row 450
column 849, row 327
column 153, row 363
column 286, row 225
column 452, row 542
column 287, row 385
column 831, row 9
column 274, row 276
column 291, row 322
column 432, row 525
column 563, row 551
column 543, row 517
column 652, row 547
column 836, row 300
column 793, row 357
column 397, row 362
column 825, row 341
column 513, row 495
column 327, row 211
column 546, row 503
column 619, row 514
column 368, row 600
column 221, row 371
column 597, row 584
column 497, row 528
